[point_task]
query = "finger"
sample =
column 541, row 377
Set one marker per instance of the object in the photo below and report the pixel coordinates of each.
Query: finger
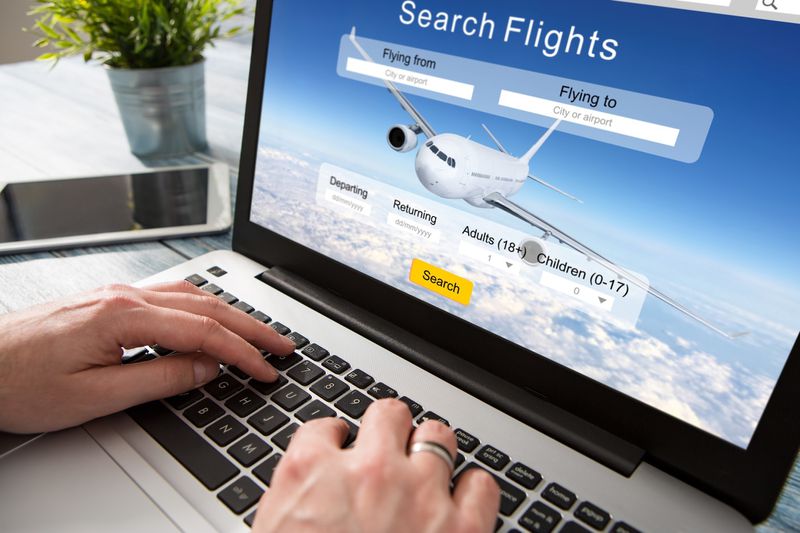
column 477, row 498
column 180, row 285
column 188, row 332
column 122, row 386
column 319, row 434
column 428, row 462
column 233, row 319
column 385, row 427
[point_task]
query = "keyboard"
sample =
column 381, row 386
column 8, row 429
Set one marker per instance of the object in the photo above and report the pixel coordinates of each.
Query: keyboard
column 231, row 433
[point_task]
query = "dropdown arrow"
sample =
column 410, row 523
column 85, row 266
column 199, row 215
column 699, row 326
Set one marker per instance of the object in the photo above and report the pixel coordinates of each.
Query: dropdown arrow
column 602, row 300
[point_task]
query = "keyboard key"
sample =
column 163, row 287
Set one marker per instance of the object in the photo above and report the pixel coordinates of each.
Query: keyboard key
column 249, row 449
column 510, row 496
column 216, row 271
column 540, row 518
column 315, row 409
column 213, row 289
column 203, row 413
column 524, row 475
column 489, row 455
column 413, row 406
column 315, row 352
column 184, row 399
column 466, row 442
column 245, row 403
column 238, row 372
column 558, row 496
column 354, row 404
column 351, row 434
column 329, row 388
column 622, row 527
column 137, row 355
column 298, row 339
column 198, row 456
column 360, row 379
column 265, row 470
column 591, row 514
column 573, row 527
column 284, row 362
column 459, row 460
column 160, row 350
column 196, row 280
column 382, row 390
column 430, row 415
column 335, row 364
column 266, row 388
column 244, row 307
column 228, row 298
column 283, row 438
column 223, row 386
column 290, row 397
column 250, row 519
column 225, row 430
column 305, row 373
column 268, row 420
column 280, row 328
column 240, row 495
column 261, row 317
column 498, row 524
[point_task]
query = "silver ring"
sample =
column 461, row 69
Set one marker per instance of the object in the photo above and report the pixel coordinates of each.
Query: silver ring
column 436, row 449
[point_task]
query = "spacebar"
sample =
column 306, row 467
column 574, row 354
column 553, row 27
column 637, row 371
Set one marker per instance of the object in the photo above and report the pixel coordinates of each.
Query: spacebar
column 189, row 448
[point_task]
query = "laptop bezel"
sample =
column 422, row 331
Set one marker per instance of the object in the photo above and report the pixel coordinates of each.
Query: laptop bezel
column 748, row 480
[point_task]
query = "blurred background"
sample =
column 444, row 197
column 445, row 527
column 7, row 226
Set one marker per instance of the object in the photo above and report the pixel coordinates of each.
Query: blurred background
column 15, row 45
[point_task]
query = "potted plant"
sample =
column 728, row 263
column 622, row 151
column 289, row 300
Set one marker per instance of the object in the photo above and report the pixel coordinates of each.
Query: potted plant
column 153, row 54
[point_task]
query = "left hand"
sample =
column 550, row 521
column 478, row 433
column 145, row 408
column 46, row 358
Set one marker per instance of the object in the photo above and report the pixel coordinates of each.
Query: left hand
column 60, row 363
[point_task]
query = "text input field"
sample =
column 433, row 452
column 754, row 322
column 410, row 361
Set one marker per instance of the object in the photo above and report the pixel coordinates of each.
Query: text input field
column 630, row 127
column 410, row 78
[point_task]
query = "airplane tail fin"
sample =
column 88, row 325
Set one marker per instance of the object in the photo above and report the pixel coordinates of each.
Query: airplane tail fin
column 535, row 148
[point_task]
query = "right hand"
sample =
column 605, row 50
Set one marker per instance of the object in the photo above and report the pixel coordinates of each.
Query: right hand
column 375, row 486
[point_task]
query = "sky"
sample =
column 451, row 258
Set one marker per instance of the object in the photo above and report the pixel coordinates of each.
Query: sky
column 718, row 234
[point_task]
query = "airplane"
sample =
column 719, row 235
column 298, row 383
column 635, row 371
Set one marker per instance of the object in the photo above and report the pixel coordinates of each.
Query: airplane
column 455, row 167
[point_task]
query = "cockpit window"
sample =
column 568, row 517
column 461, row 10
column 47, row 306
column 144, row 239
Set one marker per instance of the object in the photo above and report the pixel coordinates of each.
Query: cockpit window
column 443, row 156
column 434, row 149
column 451, row 162
column 429, row 144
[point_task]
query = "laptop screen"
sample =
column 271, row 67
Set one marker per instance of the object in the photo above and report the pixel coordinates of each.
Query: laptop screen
column 611, row 185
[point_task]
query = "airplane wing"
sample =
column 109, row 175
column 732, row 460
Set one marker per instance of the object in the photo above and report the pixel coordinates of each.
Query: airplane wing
column 503, row 203
column 420, row 121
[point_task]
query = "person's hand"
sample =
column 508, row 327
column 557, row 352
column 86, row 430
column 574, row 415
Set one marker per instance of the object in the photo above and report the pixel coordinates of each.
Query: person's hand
column 60, row 363
column 375, row 486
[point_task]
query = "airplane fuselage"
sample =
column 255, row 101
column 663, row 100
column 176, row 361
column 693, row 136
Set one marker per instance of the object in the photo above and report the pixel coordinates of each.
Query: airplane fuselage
column 452, row 166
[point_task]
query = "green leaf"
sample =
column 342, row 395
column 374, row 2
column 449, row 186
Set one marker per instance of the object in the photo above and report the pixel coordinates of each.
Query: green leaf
column 49, row 31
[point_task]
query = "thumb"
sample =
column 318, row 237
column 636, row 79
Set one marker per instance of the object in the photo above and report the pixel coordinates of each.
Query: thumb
column 123, row 386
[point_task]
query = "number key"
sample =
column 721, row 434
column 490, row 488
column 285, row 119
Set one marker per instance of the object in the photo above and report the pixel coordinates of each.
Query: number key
column 329, row 388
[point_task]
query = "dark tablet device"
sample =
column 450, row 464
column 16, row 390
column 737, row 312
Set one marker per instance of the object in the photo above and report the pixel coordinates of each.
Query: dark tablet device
column 161, row 203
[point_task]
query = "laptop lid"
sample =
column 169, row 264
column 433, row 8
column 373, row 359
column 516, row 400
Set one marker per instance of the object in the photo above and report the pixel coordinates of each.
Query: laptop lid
column 592, row 200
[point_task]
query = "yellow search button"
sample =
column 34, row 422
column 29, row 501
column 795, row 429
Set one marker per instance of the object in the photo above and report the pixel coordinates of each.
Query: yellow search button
column 440, row 281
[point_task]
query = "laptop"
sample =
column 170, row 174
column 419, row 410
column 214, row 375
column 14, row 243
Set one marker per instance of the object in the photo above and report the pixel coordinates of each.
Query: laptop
column 563, row 228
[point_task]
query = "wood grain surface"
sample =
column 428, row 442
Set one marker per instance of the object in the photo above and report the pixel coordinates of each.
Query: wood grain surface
column 64, row 122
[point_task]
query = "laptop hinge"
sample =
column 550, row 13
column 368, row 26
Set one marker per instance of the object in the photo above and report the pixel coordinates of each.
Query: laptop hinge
column 594, row 442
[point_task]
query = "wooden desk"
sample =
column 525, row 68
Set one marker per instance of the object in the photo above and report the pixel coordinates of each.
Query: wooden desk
column 64, row 122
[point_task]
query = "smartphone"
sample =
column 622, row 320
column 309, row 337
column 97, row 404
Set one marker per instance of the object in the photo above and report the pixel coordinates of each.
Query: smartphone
column 95, row 210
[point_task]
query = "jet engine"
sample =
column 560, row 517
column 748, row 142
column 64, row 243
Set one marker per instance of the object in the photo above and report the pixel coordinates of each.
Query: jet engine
column 402, row 138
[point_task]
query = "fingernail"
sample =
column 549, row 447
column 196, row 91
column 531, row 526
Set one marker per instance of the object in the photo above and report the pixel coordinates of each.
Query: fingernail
column 200, row 372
